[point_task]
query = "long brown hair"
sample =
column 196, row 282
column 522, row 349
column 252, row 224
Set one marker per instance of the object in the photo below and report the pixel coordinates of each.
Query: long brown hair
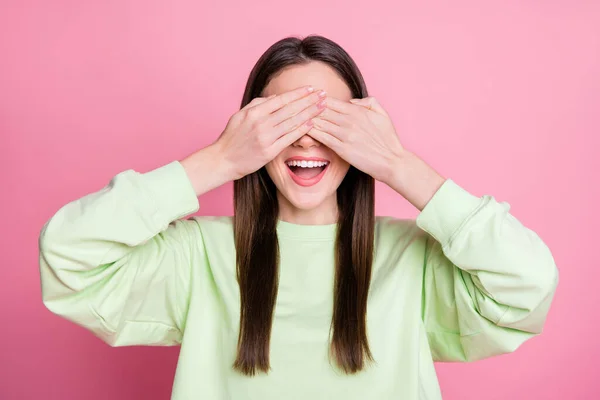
column 255, row 229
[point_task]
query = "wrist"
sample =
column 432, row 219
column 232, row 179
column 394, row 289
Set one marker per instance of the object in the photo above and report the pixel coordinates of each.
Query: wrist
column 414, row 179
column 207, row 169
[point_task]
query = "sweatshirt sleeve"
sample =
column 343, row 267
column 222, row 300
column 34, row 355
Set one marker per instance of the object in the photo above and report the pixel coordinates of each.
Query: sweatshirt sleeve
column 117, row 262
column 488, row 280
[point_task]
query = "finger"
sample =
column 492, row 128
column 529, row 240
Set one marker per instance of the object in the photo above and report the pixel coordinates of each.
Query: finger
column 334, row 117
column 326, row 139
column 281, row 100
column 295, row 107
column 328, row 127
column 289, row 138
column 302, row 117
column 256, row 101
column 340, row 106
column 370, row 103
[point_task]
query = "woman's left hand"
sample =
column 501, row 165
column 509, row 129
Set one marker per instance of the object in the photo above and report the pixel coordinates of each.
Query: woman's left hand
column 362, row 133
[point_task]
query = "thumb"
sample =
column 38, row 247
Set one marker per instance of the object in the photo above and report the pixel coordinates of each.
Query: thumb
column 256, row 101
column 360, row 102
column 371, row 103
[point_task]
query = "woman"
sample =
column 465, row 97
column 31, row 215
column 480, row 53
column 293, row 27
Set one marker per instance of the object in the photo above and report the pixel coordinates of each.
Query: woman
column 304, row 293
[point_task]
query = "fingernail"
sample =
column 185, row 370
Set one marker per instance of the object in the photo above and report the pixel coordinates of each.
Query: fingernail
column 310, row 89
column 321, row 104
column 322, row 93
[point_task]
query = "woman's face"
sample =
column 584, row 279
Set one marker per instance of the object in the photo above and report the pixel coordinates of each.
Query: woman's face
column 302, row 186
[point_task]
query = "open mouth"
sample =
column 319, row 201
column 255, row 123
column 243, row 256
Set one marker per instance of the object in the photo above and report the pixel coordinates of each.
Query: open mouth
column 307, row 171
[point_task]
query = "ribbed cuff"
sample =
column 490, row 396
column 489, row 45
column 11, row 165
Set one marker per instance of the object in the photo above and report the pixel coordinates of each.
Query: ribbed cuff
column 447, row 210
column 172, row 192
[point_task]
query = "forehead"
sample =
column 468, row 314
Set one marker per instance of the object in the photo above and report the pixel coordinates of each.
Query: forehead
column 315, row 73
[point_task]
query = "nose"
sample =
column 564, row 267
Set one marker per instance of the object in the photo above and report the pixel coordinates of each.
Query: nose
column 306, row 142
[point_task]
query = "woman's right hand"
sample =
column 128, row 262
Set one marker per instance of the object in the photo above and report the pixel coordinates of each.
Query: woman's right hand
column 264, row 127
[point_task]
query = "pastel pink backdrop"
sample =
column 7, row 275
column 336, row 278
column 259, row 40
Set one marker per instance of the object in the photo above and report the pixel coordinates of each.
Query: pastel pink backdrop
column 501, row 97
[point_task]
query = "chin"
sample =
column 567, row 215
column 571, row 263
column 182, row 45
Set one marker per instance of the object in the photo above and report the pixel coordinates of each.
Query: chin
column 308, row 182
column 305, row 201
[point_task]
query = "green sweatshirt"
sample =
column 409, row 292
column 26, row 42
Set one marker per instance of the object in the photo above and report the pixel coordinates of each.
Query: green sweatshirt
column 464, row 281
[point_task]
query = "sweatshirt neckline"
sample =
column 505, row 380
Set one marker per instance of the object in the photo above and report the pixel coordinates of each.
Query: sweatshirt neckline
column 306, row 232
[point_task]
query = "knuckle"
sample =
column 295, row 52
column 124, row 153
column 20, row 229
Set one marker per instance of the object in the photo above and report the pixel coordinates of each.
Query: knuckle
column 252, row 114
column 236, row 117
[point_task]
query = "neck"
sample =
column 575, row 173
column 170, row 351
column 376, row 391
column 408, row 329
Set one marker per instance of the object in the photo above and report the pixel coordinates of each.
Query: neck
column 324, row 214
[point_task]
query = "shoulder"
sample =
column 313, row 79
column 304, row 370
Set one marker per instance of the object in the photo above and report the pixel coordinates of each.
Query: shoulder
column 398, row 236
column 399, row 249
column 206, row 234
column 394, row 229
column 213, row 224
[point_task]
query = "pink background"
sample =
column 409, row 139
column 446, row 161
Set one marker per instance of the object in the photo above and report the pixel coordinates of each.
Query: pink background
column 504, row 98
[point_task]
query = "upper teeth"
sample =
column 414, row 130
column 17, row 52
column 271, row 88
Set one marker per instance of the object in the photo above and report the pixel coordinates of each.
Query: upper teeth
column 306, row 164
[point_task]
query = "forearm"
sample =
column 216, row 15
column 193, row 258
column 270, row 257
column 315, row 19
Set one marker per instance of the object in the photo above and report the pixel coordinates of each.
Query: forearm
column 414, row 179
column 206, row 169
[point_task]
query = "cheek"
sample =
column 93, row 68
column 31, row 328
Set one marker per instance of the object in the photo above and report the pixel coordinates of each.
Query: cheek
column 342, row 168
column 275, row 171
column 270, row 167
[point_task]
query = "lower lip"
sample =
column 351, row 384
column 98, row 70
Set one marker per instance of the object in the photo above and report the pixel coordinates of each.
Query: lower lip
column 307, row 182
